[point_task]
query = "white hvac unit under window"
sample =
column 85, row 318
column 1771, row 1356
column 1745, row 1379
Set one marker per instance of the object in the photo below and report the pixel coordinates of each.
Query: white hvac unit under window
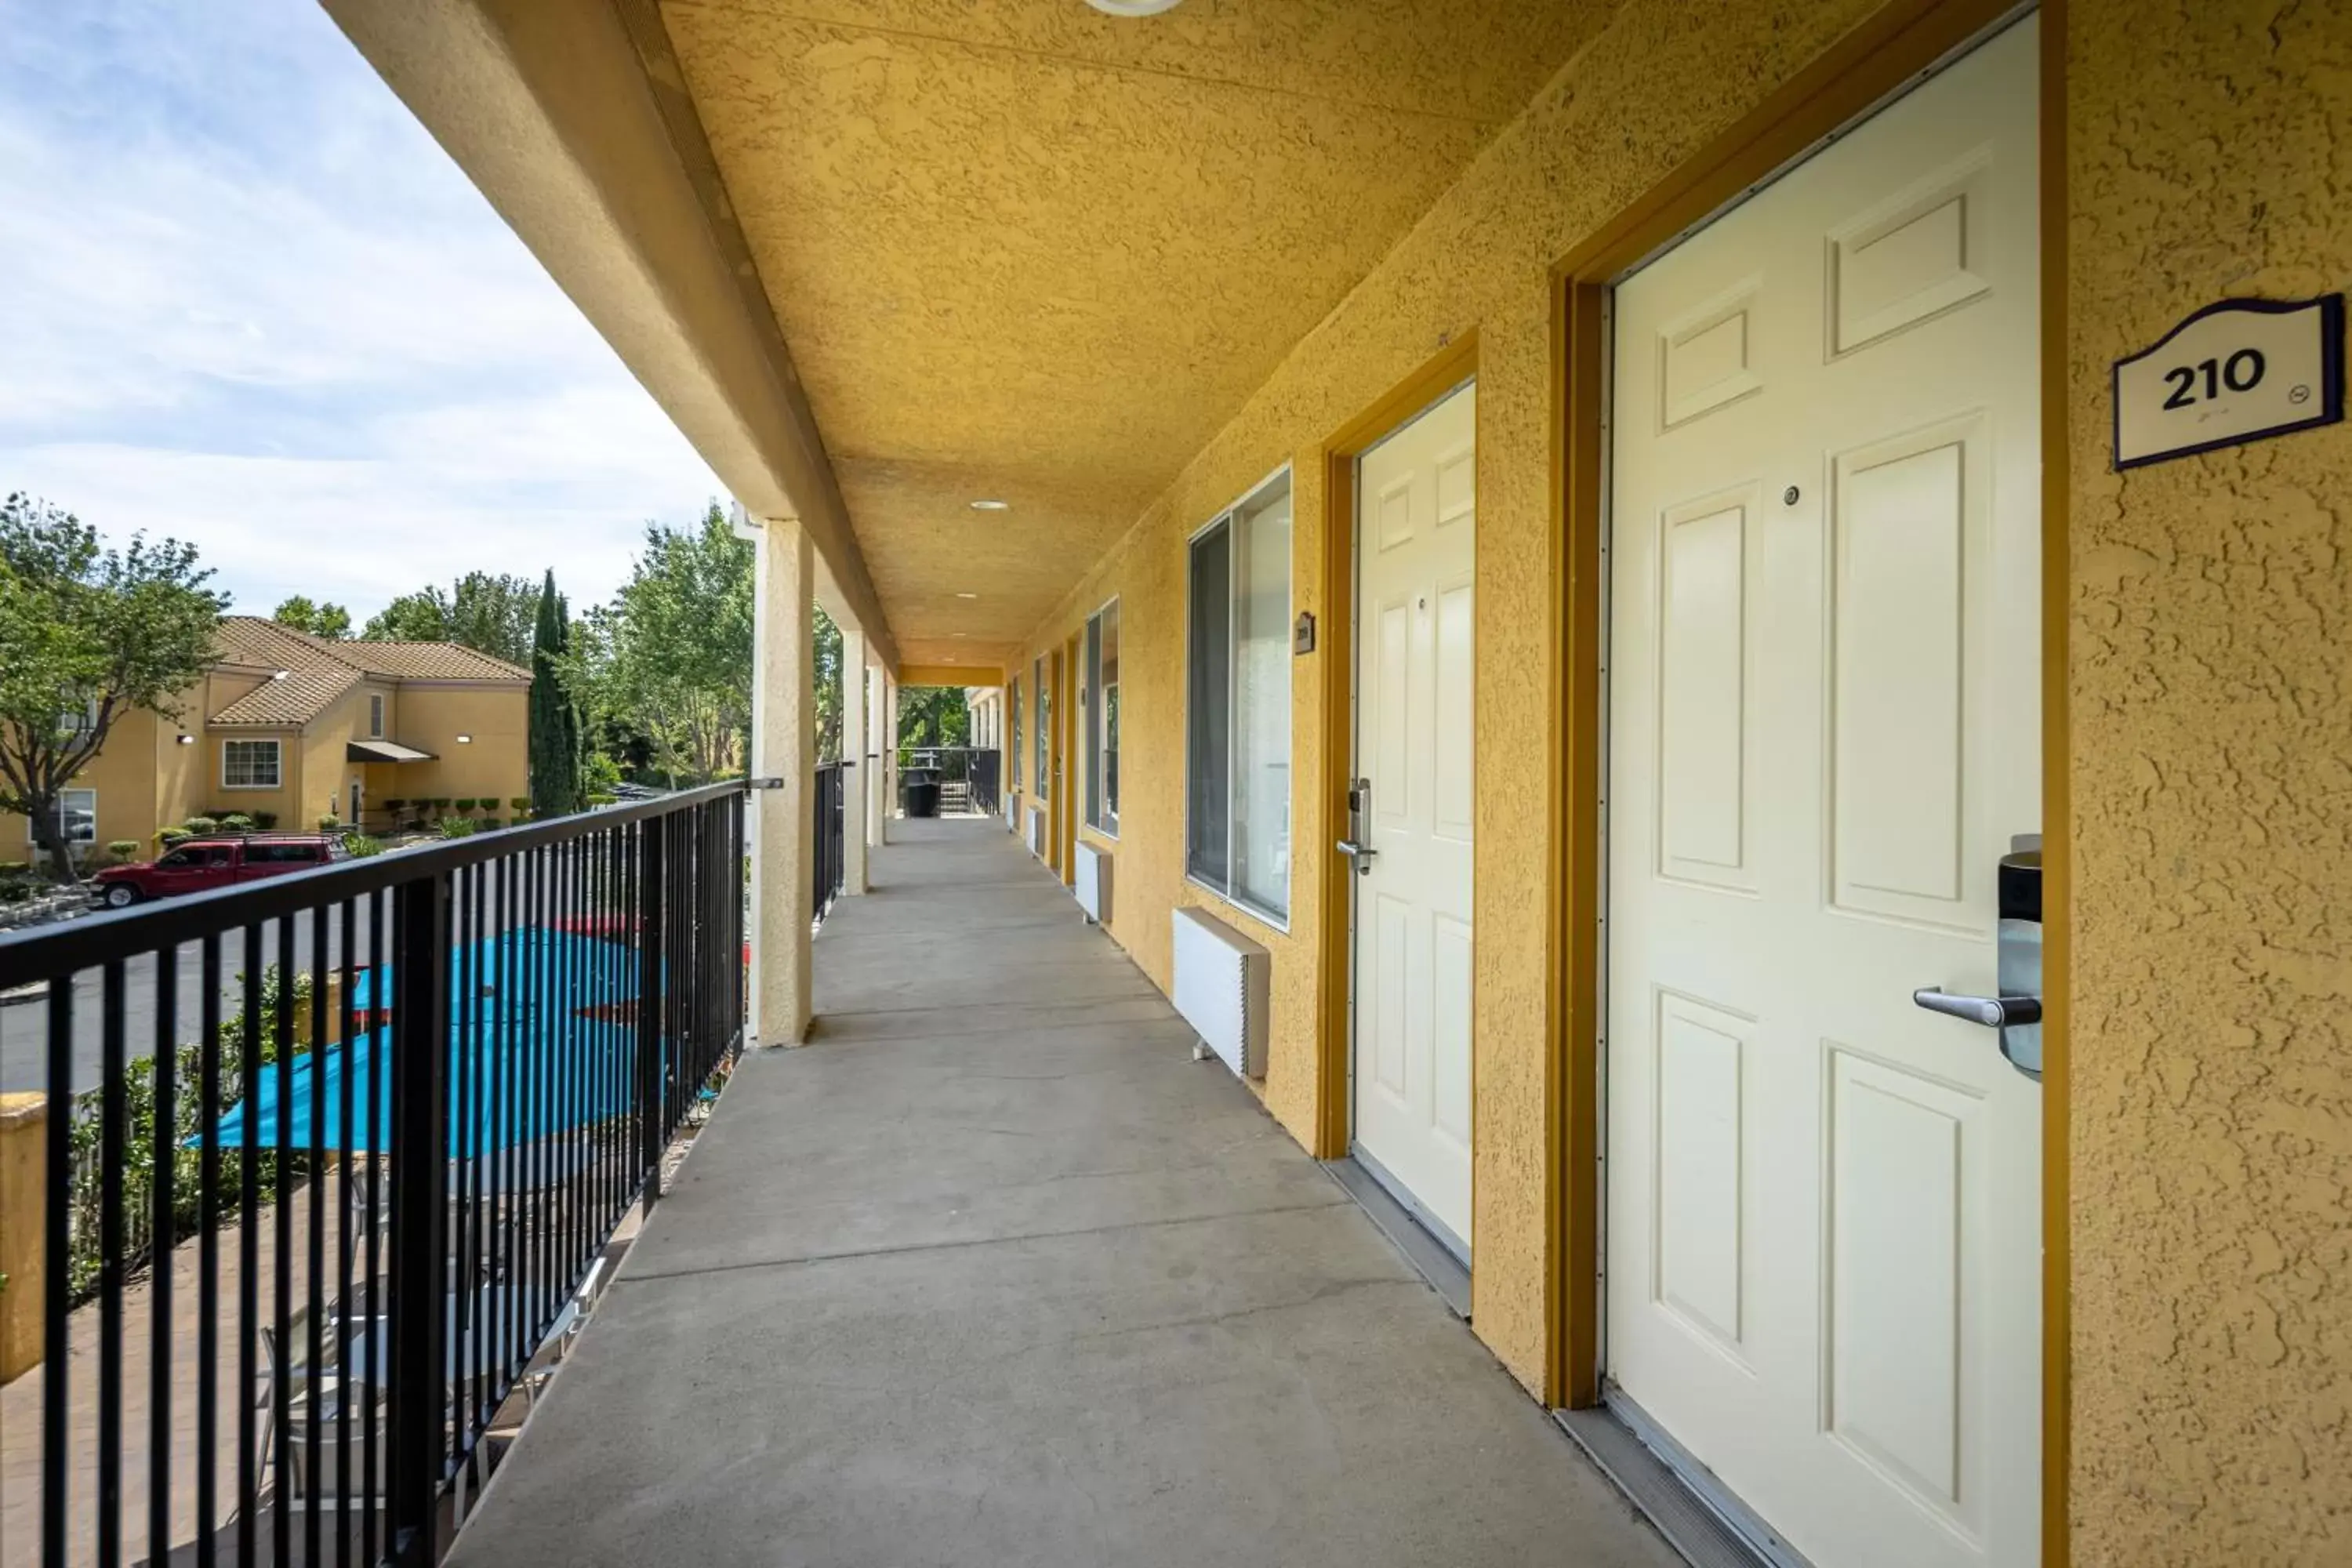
column 1091, row 881
column 1224, row 981
column 1036, row 835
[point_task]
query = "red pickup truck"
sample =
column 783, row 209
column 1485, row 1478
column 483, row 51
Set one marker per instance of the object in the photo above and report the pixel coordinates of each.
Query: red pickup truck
column 200, row 865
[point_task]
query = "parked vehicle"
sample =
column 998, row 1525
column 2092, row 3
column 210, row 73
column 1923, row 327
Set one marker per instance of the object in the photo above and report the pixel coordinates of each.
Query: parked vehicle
column 202, row 864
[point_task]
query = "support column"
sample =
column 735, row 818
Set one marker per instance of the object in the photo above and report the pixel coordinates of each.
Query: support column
column 784, row 748
column 875, row 767
column 855, row 791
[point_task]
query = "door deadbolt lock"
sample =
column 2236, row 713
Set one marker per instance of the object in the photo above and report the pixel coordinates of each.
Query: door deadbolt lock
column 2016, row 1012
column 1359, row 798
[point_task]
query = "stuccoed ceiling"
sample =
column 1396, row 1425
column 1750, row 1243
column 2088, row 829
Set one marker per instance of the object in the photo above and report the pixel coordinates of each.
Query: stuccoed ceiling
column 1024, row 251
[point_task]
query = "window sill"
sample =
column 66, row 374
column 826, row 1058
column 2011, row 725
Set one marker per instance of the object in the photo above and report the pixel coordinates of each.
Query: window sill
column 1281, row 926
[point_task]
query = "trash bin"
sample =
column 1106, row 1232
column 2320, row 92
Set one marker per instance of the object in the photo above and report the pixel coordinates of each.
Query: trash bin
column 918, row 791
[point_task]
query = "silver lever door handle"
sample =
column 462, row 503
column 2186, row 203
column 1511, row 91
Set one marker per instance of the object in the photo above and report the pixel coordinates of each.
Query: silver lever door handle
column 1992, row 1012
column 1363, row 855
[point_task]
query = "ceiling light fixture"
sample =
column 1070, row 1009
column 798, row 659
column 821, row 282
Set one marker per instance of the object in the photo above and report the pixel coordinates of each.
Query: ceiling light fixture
column 1132, row 8
column 967, row 595
column 991, row 506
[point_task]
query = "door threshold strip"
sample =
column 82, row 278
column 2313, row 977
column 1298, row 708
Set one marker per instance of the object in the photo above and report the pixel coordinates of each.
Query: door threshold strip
column 1429, row 1257
column 1696, row 1513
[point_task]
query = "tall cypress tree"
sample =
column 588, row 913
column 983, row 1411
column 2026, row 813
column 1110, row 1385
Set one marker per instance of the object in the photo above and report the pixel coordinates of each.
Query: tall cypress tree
column 555, row 722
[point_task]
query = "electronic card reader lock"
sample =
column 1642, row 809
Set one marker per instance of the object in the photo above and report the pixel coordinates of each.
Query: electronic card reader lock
column 2016, row 1012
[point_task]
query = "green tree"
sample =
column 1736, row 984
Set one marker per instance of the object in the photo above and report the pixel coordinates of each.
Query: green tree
column 829, row 688
column 933, row 716
column 87, row 635
column 486, row 611
column 321, row 620
column 421, row 617
column 670, row 657
column 554, row 718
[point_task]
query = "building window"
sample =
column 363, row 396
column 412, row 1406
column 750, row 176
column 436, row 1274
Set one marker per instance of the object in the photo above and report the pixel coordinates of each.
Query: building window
column 1045, row 723
column 1100, row 708
column 249, row 764
column 376, row 718
column 1015, row 750
column 77, row 817
column 1237, row 710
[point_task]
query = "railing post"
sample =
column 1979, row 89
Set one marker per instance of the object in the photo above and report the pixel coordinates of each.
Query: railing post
column 653, row 1134
column 420, row 1197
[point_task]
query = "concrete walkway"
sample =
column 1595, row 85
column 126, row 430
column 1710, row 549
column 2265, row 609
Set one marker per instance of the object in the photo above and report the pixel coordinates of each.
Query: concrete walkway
column 993, row 1273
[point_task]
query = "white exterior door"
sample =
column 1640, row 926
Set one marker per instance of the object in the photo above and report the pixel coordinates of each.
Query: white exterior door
column 1416, row 550
column 1824, row 1212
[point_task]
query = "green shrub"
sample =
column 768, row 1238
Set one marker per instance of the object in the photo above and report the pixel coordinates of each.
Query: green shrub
column 439, row 803
column 264, row 820
column 196, row 825
column 236, row 822
column 520, row 803
column 602, row 799
column 329, row 822
column 456, row 827
column 271, row 1169
column 122, row 848
column 171, row 835
column 360, row 845
column 491, row 824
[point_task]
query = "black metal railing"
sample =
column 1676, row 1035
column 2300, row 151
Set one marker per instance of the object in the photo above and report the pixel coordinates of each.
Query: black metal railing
column 983, row 774
column 830, row 863
column 384, row 1213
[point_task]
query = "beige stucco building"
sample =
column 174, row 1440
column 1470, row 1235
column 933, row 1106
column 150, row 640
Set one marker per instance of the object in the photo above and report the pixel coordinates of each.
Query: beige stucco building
column 1759, row 361
column 297, row 728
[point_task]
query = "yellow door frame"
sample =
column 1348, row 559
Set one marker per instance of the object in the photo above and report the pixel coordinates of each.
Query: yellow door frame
column 1901, row 40
column 1066, row 771
column 1456, row 360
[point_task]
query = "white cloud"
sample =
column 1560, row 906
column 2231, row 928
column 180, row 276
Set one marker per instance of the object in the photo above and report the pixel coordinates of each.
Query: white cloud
column 247, row 301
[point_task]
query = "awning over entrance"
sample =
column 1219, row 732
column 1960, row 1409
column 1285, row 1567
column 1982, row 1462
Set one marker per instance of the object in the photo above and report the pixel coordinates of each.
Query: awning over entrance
column 384, row 752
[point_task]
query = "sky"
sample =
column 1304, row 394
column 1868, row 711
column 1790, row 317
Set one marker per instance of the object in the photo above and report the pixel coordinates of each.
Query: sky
column 247, row 301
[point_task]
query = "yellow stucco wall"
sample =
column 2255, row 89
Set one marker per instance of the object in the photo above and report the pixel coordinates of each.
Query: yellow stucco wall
column 123, row 774
column 494, row 764
column 1653, row 87
column 2211, row 1122
column 2209, row 154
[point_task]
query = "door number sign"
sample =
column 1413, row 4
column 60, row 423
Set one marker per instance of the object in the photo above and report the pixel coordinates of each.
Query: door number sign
column 2237, row 370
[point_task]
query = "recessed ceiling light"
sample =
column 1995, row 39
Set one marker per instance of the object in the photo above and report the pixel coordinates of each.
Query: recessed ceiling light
column 967, row 595
column 959, row 633
column 991, row 506
column 1132, row 8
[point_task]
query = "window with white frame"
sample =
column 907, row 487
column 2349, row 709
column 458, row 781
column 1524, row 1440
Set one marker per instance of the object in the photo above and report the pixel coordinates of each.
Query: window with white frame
column 77, row 817
column 249, row 764
column 1012, row 699
column 1237, row 707
column 375, row 717
column 1045, row 717
column 1100, row 711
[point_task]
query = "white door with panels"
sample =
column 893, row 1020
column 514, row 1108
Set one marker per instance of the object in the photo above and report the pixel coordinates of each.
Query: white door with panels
column 1823, row 1254
column 1416, row 551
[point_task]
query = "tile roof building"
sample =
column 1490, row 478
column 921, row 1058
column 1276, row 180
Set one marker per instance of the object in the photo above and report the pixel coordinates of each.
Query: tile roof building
column 289, row 729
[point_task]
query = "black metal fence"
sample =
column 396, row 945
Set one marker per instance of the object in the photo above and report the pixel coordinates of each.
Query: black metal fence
column 829, row 860
column 968, row 776
column 390, row 1209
